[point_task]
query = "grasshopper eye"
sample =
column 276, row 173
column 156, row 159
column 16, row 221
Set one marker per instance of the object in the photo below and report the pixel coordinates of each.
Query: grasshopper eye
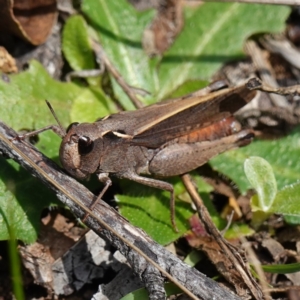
column 85, row 145
column 71, row 125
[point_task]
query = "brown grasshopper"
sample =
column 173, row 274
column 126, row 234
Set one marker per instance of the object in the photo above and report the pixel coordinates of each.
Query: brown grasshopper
column 165, row 139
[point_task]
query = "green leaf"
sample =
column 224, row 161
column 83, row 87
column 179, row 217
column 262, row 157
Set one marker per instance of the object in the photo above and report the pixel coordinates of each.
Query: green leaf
column 22, row 199
column 213, row 34
column 281, row 269
column 142, row 293
column 137, row 294
column 22, row 102
column 188, row 87
column 287, row 200
column 76, row 46
column 149, row 209
column 91, row 105
column 237, row 230
column 120, row 28
column 16, row 268
column 282, row 154
column 194, row 257
column 292, row 220
column 22, row 106
column 260, row 175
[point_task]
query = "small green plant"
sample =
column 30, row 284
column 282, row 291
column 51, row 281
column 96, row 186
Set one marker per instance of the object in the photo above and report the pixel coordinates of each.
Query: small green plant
column 268, row 199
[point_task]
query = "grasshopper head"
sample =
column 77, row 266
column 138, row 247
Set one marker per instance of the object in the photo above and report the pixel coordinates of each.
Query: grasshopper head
column 80, row 150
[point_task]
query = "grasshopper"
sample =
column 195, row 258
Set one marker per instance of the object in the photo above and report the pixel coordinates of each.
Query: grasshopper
column 166, row 139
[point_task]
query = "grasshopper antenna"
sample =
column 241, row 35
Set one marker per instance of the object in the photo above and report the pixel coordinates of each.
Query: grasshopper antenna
column 257, row 84
column 62, row 131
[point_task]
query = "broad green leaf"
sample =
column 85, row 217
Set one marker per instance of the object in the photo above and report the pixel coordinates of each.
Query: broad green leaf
column 188, row 87
column 282, row 154
column 149, row 209
column 213, row 34
column 120, row 28
column 260, row 175
column 22, row 103
column 22, row 106
column 292, row 220
column 287, row 201
column 22, row 199
column 91, row 105
column 76, row 46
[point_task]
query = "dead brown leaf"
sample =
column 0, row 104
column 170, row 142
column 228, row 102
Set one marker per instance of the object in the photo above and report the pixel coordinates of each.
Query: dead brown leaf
column 30, row 20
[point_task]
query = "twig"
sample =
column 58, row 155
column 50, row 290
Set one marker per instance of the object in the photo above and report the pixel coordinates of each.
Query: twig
column 233, row 258
column 101, row 56
column 132, row 242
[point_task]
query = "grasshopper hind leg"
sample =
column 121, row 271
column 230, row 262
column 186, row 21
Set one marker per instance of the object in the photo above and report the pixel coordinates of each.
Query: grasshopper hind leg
column 162, row 185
